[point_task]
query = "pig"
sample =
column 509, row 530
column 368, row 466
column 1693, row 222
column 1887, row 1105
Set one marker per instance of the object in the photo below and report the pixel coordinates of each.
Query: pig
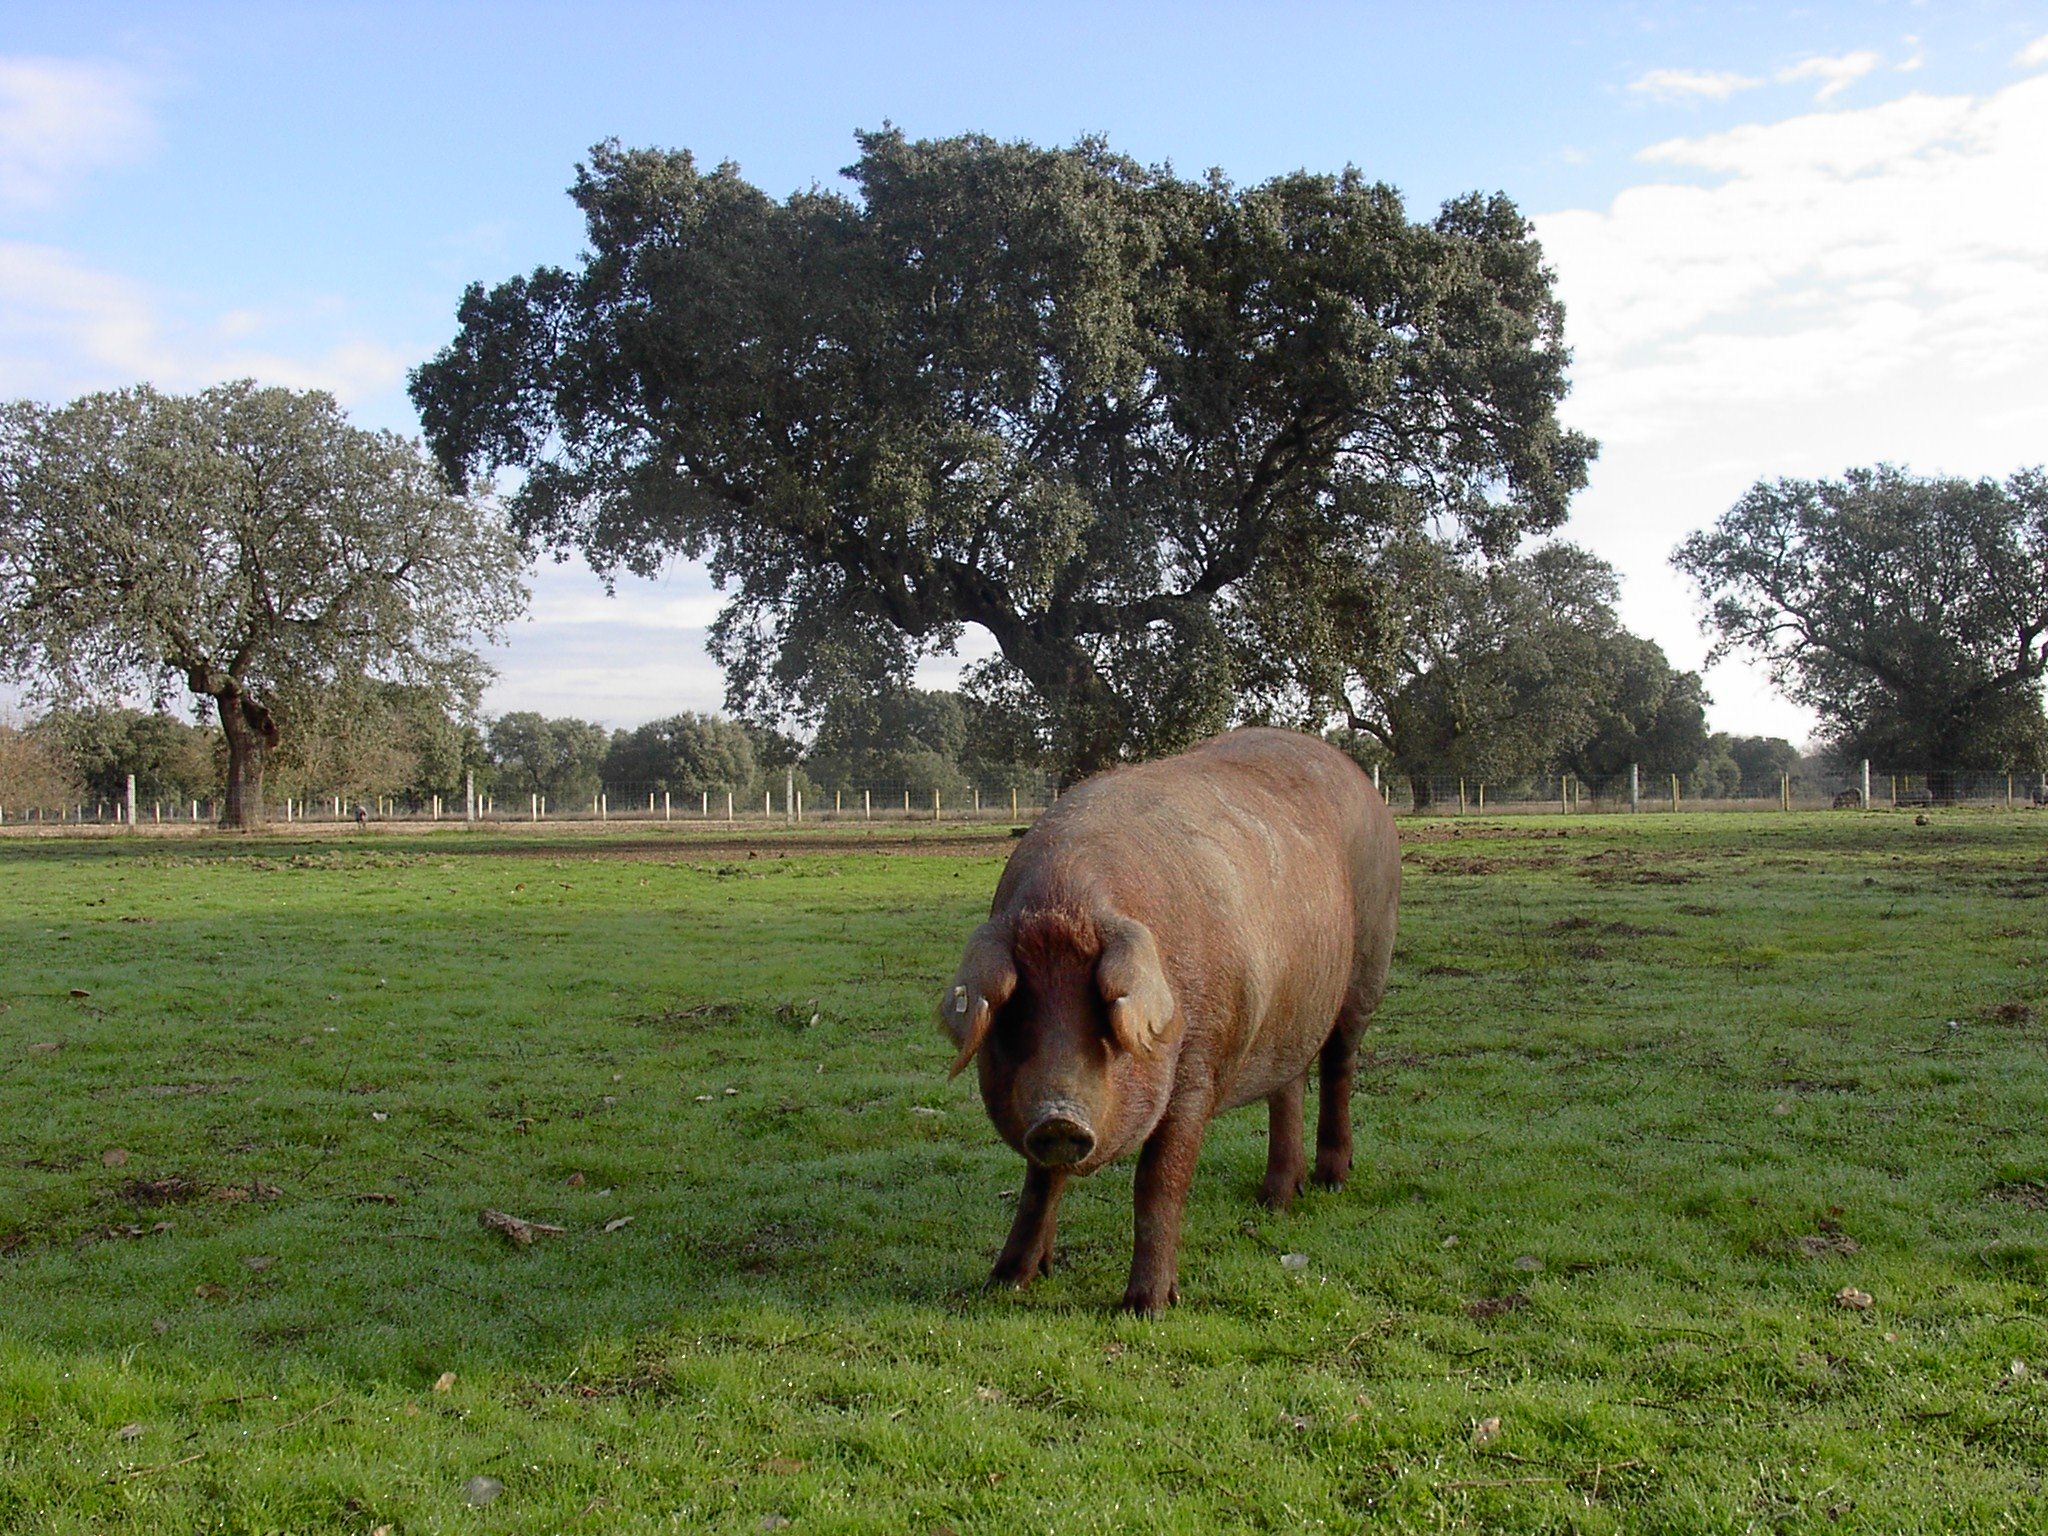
column 1169, row 941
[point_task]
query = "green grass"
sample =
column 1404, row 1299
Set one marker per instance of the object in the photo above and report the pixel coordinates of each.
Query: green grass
column 1645, row 1096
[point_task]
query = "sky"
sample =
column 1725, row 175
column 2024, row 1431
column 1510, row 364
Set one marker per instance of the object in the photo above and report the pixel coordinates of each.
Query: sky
column 1790, row 239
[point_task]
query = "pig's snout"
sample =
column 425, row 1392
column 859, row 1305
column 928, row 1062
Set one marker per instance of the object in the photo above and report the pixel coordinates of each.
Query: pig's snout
column 1059, row 1137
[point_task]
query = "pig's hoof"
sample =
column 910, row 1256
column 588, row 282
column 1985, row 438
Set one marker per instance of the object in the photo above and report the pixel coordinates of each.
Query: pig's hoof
column 1277, row 1197
column 1144, row 1302
column 1017, row 1274
column 1333, row 1173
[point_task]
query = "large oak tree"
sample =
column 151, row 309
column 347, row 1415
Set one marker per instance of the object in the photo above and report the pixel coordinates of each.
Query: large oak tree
column 1114, row 417
column 1910, row 614
column 244, row 542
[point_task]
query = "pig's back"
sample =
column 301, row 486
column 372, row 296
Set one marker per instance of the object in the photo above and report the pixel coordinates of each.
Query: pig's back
column 1260, row 862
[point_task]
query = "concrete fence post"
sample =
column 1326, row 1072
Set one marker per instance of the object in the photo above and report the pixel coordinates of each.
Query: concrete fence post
column 131, row 799
column 789, row 795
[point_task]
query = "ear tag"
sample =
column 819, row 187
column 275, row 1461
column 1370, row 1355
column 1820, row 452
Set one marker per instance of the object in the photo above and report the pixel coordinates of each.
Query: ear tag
column 959, row 999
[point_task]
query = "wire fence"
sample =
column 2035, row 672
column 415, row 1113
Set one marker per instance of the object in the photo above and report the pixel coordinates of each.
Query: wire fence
column 795, row 802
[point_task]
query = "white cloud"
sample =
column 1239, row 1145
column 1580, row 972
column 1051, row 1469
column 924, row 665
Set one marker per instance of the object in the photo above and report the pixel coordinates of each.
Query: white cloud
column 1836, row 75
column 1849, row 287
column 620, row 660
column 2034, row 54
column 63, row 118
column 1685, row 84
column 66, row 328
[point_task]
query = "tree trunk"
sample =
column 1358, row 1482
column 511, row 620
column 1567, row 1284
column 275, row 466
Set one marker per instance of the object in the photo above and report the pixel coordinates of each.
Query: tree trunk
column 251, row 730
column 1419, row 791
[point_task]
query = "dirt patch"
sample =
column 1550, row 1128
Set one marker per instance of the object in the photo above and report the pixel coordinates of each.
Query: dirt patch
column 1581, row 924
column 1829, row 1242
column 2030, row 1193
column 1447, row 970
column 1457, row 833
column 1496, row 1306
column 173, row 1190
column 689, row 847
column 2011, row 1011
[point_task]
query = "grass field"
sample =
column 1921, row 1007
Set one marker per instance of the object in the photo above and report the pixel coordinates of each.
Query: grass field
column 1646, row 1097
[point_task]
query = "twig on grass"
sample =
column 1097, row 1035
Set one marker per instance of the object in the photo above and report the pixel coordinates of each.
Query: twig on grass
column 1597, row 1472
column 294, row 1423
column 162, row 1466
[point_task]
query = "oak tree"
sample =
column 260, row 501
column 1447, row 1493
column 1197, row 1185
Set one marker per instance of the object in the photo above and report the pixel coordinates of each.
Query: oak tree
column 241, row 542
column 1109, row 415
column 1910, row 614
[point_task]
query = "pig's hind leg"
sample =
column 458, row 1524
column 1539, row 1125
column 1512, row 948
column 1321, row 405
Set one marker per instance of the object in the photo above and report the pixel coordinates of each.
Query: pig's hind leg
column 1286, row 1165
column 1028, row 1252
column 1333, row 1114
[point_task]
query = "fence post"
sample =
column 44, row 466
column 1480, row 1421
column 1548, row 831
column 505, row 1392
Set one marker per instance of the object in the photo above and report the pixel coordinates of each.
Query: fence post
column 707, row 803
column 935, row 805
column 2008, row 795
column 131, row 798
column 838, row 801
column 1376, row 780
column 1461, row 797
column 1785, row 791
column 728, row 807
column 789, row 795
column 1866, row 783
column 867, row 805
column 1564, row 796
column 532, row 806
column 1674, row 791
column 1635, row 788
column 1013, row 805
column 469, row 794
column 906, row 805
column 131, row 793
column 767, row 803
column 796, row 802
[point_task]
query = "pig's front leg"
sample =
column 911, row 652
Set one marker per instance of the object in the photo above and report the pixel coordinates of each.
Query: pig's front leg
column 1165, row 1169
column 1286, row 1165
column 1028, row 1252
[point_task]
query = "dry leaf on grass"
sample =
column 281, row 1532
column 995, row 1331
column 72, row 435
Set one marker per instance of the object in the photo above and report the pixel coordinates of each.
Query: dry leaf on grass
column 481, row 1490
column 114, row 1157
column 616, row 1222
column 128, row 1431
column 80, row 992
column 445, row 1382
column 520, row 1232
column 783, row 1466
column 256, row 1263
column 1849, row 1296
column 1485, row 1432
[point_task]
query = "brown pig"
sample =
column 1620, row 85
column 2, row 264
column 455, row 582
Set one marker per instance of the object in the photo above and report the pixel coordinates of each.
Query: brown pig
column 1170, row 941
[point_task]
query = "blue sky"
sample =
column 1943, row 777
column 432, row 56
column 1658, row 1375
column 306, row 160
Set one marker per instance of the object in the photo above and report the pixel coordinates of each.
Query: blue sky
column 1792, row 238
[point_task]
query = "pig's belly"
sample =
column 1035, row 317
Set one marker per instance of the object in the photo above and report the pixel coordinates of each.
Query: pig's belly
column 1282, row 1047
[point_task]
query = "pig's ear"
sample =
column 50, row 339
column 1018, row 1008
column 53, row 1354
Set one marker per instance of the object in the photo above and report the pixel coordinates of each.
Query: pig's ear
column 1141, row 1007
column 984, row 982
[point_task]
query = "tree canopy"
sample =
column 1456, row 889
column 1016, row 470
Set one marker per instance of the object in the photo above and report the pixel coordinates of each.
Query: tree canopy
column 242, row 542
column 1910, row 614
column 1509, row 668
column 687, row 754
column 558, row 759
column 1140, row 429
